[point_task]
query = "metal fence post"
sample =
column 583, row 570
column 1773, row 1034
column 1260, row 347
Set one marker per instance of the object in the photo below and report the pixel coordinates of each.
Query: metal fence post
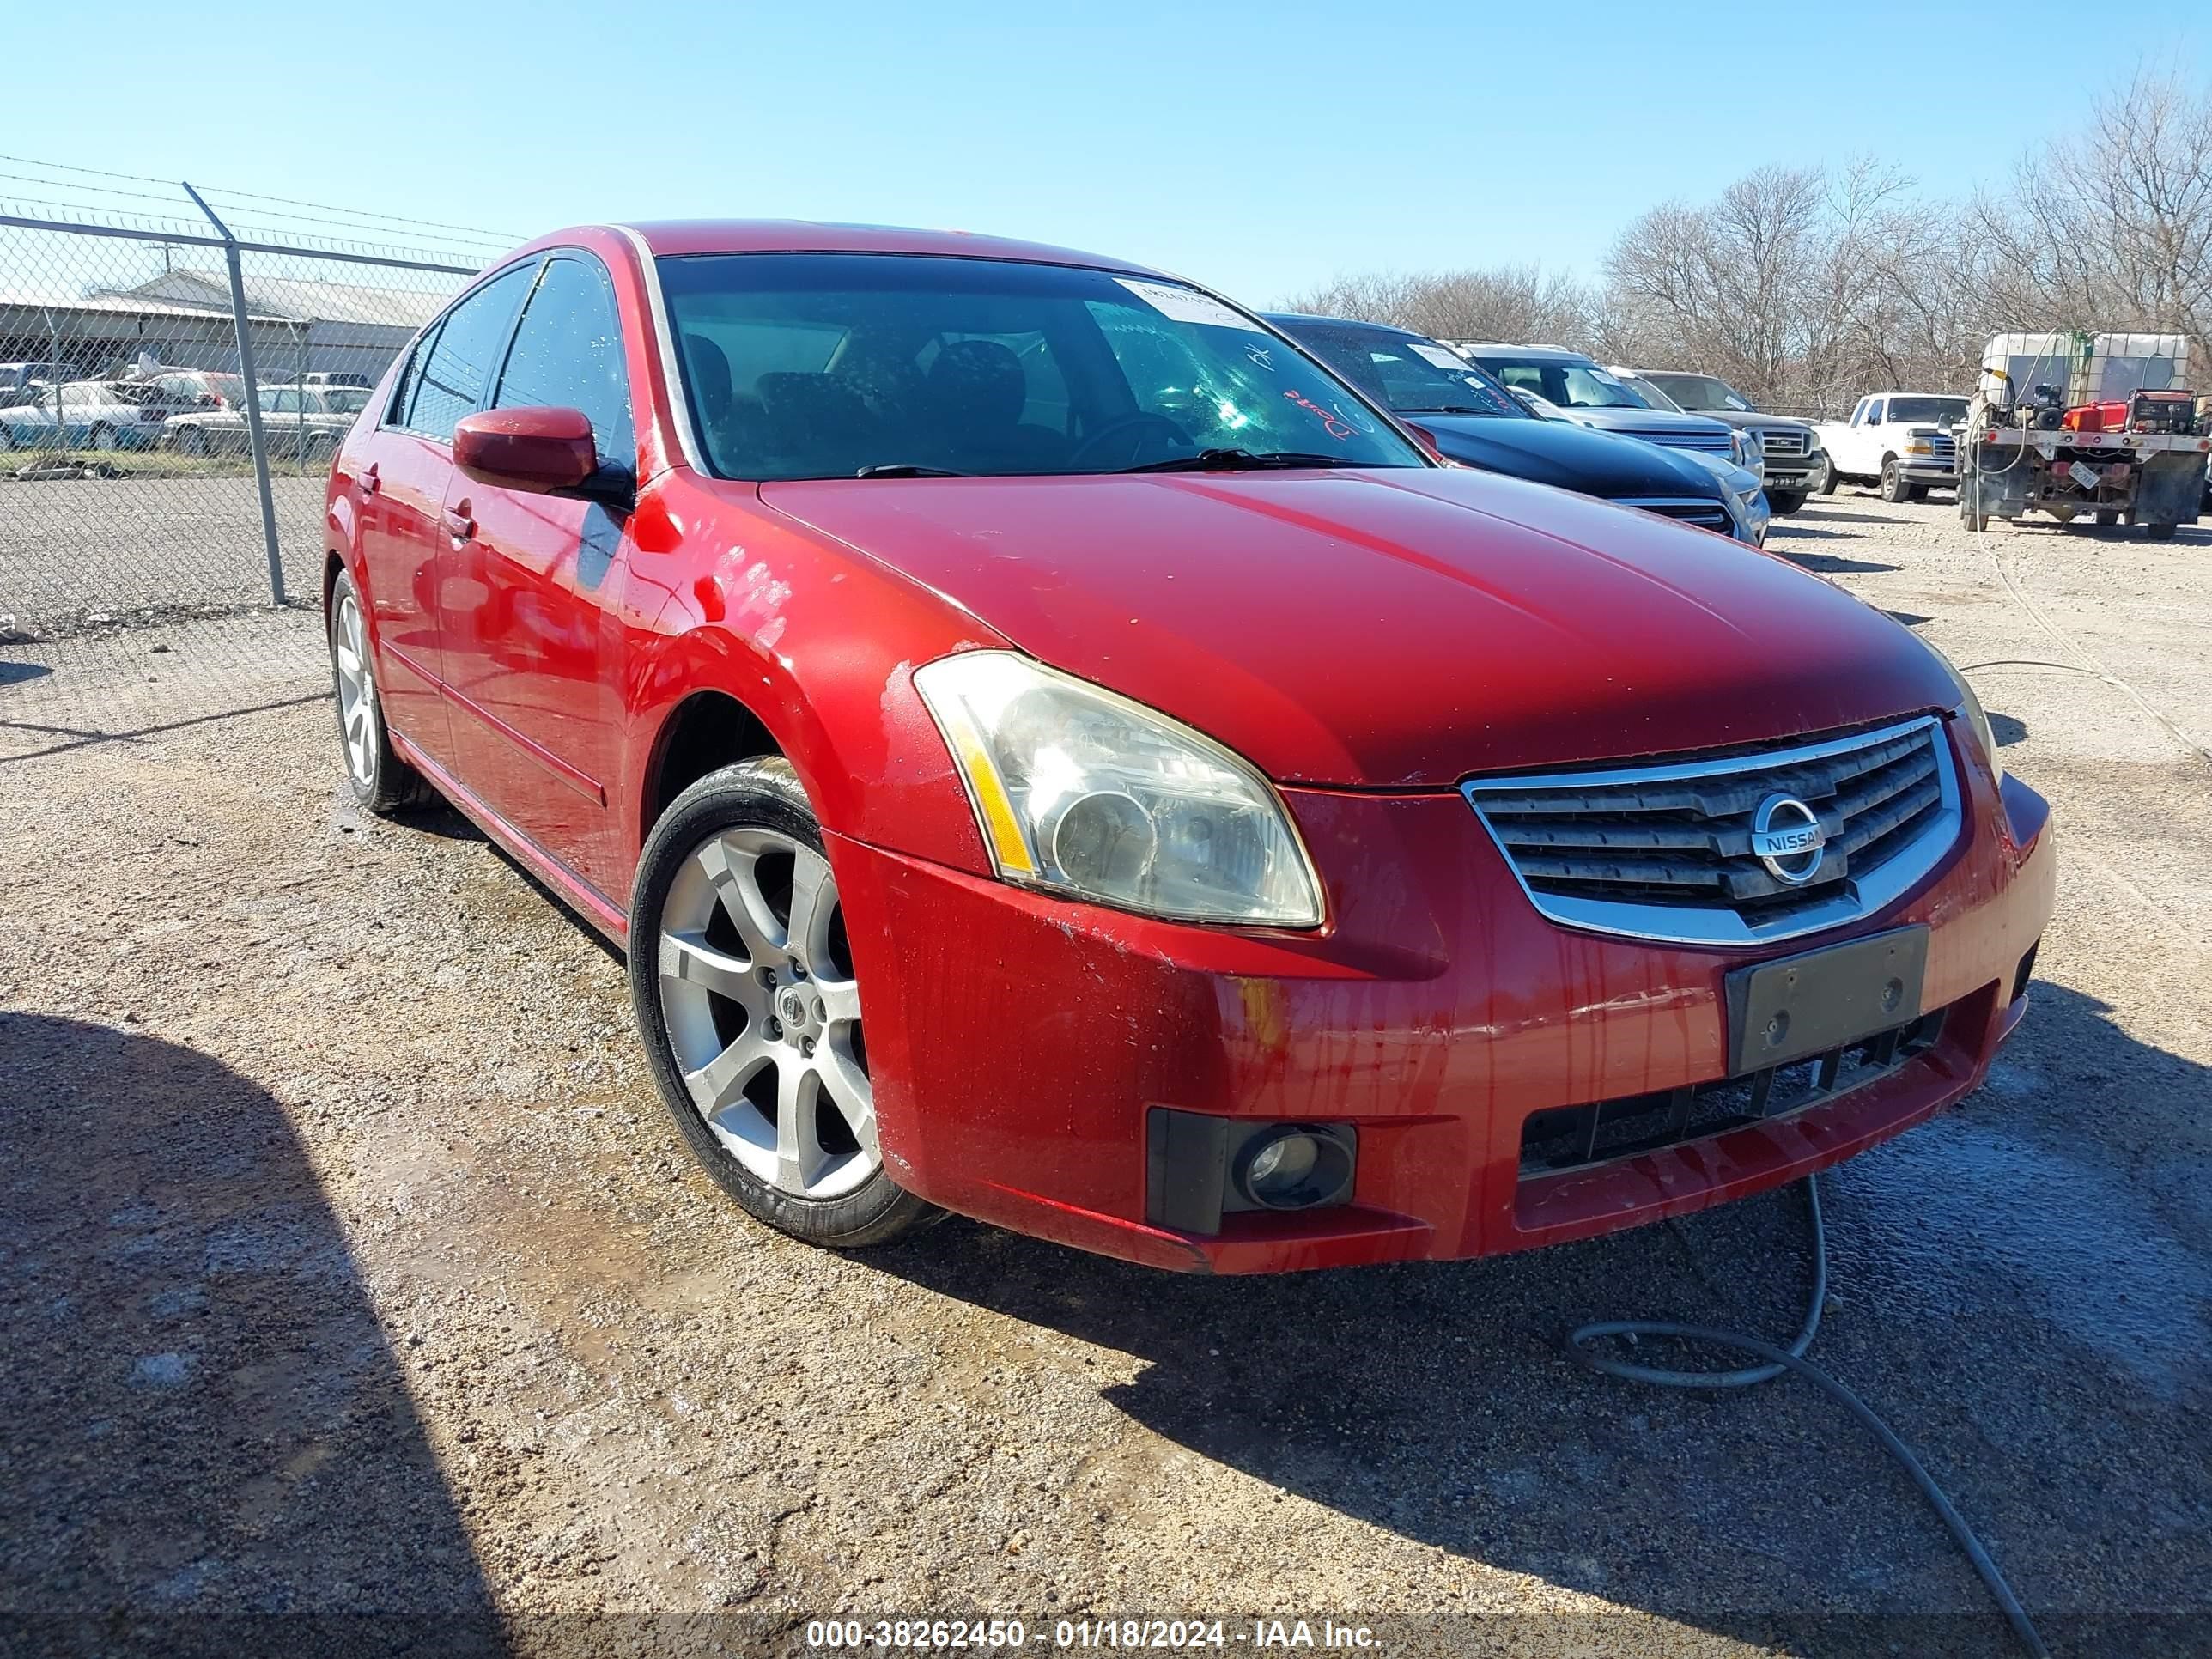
column 253, row 433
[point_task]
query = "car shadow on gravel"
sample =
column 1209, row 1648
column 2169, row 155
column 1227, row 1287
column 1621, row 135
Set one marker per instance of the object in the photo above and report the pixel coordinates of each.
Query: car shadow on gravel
column 1831, row 564
column 1975, row 1263
column 210, row 1445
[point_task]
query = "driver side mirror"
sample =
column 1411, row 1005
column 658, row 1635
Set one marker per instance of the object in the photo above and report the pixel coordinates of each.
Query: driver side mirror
column 539, row 450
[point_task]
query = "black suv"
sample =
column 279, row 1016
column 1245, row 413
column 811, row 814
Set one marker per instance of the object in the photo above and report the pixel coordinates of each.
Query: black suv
column 1792, row 450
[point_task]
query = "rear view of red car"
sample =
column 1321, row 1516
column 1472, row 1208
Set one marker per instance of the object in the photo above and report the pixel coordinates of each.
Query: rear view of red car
column 1053, row 750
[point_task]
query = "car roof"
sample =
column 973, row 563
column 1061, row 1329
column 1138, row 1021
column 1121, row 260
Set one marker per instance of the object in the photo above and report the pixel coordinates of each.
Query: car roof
column 1289, row 317
column 676, row 237
column 1534, row 351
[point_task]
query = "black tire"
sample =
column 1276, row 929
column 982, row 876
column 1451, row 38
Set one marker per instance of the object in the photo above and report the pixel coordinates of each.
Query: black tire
column 2159, row 532
column 2106, row 518
column 762, row 794
column 192, row 441
column 379, row 780
column 1916, row 493
column 1894, row 489
column 102, row 437
column 1828, row 482
column 1785, row 501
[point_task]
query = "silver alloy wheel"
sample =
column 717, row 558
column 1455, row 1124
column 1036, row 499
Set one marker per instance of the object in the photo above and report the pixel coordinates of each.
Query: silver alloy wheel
column 764, row 1017
column 356, row 691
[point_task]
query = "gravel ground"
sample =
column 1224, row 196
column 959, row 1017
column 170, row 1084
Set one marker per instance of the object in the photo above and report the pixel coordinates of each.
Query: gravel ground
column 79, row 548
column 351, row 1266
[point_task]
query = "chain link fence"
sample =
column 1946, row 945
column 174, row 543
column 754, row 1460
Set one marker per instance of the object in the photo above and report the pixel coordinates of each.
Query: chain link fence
column 170, row 397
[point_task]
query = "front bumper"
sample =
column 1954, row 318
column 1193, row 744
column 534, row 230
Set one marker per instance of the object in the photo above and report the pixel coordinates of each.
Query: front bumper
column 1019, row 1042
column 1928, row 472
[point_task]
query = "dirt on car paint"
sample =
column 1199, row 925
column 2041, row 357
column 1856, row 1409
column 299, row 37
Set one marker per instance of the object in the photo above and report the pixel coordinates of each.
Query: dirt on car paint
column 353, row 1268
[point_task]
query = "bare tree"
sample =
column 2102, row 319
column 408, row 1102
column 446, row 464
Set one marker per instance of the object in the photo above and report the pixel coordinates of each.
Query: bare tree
column 1509, row 302
column 1804, row 288
column 2111, row 228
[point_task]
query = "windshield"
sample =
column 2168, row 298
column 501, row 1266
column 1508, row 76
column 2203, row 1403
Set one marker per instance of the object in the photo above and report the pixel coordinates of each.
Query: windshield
column 1407, row 372
column 1702, row 393
column 826, row 365
column 1648, row 394
column 1947, row 411
column 1562, row 381
column 345, row 400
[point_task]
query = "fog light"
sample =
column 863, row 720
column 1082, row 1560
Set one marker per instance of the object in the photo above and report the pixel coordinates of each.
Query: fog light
column 1293, row 1169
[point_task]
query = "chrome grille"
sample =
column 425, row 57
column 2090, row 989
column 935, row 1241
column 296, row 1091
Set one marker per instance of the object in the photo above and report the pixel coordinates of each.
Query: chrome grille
column 1711, row 515
column 1664, row 850
column 1942, row 447
column 1783, row 440
column 1713, row 443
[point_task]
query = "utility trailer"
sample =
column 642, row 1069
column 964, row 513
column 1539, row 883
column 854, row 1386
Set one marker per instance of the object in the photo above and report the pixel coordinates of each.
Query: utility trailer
column 2111, row 436
column 2155, row 479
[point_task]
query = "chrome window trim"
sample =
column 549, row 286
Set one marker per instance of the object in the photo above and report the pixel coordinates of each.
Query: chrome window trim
column 1686, row 925
column 679, row 406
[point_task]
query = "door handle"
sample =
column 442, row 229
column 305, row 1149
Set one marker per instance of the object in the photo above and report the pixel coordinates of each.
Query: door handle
column 459, row 525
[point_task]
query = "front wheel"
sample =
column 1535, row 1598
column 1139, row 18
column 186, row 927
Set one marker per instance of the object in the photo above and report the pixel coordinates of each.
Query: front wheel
column 1827, row 481
column 742, row 977
column 103, row 438
column 1894, row 486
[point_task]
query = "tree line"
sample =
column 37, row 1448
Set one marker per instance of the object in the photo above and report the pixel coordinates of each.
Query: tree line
column 1806, row 287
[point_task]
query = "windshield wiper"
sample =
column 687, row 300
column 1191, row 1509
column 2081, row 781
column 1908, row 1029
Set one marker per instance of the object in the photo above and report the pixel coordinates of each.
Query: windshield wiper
column 1440, row 409
column 1245, row 460
column 909, row 470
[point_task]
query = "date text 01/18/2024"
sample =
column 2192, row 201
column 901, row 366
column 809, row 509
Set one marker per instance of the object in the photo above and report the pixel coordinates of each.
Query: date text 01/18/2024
column 941, row 1634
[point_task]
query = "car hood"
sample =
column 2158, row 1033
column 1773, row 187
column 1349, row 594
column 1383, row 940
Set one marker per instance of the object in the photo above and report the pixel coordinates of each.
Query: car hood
column 1390, row 627
column 1751, row 420
column 1645, row 420
column 1569, row 456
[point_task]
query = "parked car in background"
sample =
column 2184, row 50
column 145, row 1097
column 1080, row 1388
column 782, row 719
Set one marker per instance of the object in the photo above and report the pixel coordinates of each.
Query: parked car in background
column 201, row 388
column 301, row 422
column 1473, row 420
column 21, row 383
column 1903, row 441
column 1591, row 396
column 1053, row 750
column 89, row 415
column 338, row 377
column 1789, row 450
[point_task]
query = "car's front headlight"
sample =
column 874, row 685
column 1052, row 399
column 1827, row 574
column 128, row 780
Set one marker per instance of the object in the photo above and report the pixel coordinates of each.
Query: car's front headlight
column 1084, row 792
column 1744, row 445
column 1968, row 708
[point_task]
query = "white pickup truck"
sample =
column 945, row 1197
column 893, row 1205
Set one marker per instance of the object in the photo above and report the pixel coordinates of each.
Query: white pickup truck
column 1901, row 441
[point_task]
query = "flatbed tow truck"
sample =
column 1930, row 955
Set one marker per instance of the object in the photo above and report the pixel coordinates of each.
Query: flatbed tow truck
column 2123, row 444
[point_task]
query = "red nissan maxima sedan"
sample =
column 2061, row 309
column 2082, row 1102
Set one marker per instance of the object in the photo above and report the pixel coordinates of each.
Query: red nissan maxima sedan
column 1054, row 751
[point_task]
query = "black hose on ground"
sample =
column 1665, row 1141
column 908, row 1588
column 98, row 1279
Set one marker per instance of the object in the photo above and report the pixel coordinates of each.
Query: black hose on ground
column 1792, row 1358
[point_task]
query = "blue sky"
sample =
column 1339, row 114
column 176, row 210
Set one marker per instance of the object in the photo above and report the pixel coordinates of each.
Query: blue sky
column 1258, row 148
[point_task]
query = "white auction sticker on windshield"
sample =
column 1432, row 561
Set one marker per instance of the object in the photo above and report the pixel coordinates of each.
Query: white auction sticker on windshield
column 1185, row 305
column 1437, row 355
